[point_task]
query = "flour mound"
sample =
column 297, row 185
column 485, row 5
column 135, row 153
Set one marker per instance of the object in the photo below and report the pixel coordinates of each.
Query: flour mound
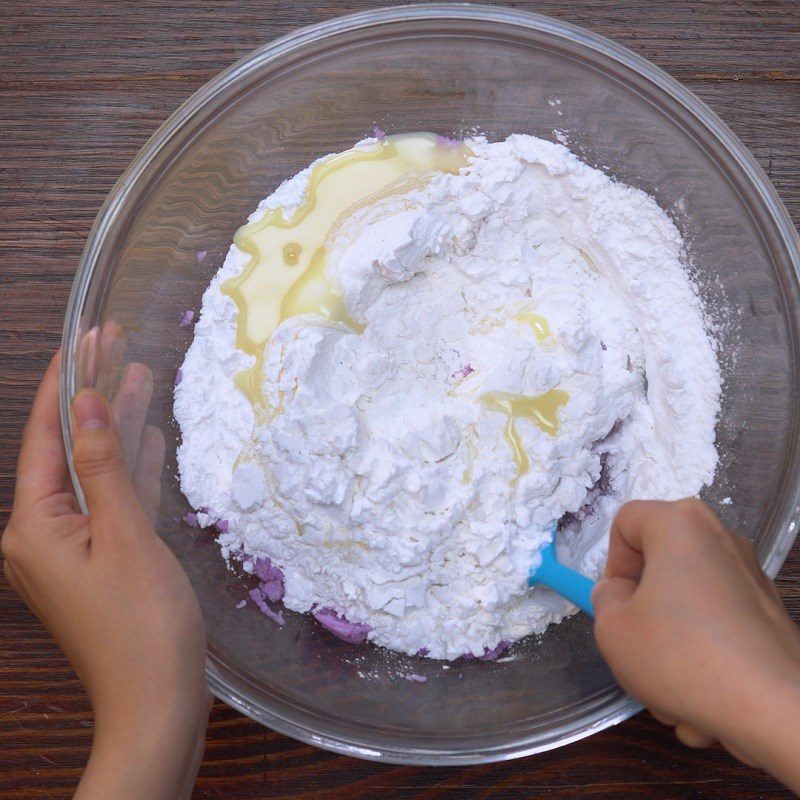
column 384, row 489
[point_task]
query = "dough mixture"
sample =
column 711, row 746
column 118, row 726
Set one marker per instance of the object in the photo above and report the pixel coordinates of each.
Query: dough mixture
column 419, row 357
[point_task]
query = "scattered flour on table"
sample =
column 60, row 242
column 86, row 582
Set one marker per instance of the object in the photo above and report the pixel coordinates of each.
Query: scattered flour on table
column 385, row 490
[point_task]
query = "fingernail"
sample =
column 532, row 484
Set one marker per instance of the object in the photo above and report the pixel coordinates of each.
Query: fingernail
column 90, row 411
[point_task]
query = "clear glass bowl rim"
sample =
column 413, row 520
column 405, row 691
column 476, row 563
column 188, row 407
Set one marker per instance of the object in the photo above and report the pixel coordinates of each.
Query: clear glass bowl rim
column 622, row 707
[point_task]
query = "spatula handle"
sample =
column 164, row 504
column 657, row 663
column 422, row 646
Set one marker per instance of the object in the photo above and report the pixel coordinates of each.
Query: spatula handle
column 565, row 581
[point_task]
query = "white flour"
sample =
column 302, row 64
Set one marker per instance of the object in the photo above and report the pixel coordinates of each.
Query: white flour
column 385, row 489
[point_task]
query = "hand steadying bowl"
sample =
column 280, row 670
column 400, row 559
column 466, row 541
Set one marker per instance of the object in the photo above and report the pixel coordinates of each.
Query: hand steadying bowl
column 167, row 225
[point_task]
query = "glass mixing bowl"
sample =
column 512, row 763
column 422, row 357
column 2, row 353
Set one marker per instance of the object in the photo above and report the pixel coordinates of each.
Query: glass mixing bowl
column 450, row 69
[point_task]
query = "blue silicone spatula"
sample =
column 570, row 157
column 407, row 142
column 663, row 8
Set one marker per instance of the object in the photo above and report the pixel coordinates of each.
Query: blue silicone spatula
column 554, row 575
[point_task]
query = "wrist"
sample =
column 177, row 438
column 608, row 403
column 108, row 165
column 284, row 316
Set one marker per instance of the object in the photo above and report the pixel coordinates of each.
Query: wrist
column 779, row 742
column 144, row 751
column 766, row 731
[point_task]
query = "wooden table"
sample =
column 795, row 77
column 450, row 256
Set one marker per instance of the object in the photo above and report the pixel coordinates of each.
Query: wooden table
column 83, row 84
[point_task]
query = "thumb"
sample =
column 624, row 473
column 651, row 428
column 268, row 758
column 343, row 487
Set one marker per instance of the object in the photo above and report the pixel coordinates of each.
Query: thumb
column 613, row 631
column 610, row 592
column 99, row 461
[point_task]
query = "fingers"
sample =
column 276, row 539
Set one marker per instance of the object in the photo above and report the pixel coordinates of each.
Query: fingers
column 638, row 521
column 100, row 465
column 42, row 467
column 688, row 734
column 147, row 473
column 626, row 541
column 692, row 736
column 100, row 356
column 87, row 358
column 109, row 361
column 609, row 592
column 649, row 525
column 664, row 719
column 129, row 409
column 613, row 627
column 624, row 560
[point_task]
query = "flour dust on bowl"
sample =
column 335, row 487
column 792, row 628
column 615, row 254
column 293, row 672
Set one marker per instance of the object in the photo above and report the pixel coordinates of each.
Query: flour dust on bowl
column 165, row 231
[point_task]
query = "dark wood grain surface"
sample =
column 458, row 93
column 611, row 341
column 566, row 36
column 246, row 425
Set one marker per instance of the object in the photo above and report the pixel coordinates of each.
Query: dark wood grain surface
column 82, row 85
